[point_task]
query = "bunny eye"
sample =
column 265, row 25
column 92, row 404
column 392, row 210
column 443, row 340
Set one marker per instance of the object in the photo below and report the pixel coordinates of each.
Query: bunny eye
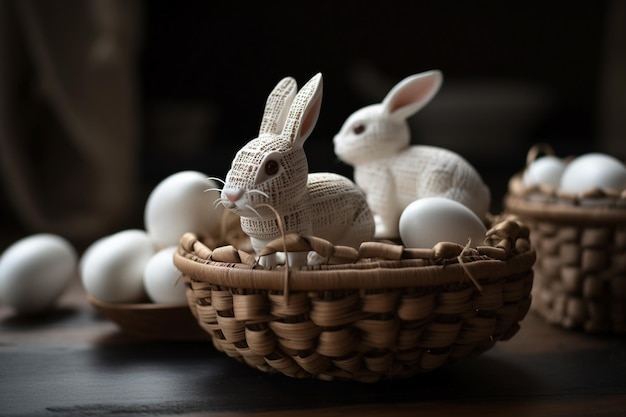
column 358, row 129
column 271, row 167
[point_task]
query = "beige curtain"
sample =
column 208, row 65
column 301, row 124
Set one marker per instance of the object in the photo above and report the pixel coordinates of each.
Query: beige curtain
column 69, row 126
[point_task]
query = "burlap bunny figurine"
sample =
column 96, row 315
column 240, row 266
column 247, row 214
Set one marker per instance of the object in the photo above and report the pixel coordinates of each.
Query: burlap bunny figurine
column 375, row 140
column 272, row 170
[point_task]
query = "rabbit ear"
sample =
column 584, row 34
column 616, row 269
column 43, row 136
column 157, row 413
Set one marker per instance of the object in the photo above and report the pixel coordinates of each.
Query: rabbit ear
column 304, row 112
column 276, row 106
column 412, row 93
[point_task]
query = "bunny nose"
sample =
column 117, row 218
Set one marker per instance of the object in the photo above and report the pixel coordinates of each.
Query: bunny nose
column 233, row 196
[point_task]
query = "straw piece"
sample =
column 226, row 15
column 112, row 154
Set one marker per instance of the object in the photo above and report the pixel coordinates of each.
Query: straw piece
column 321, row 246
column 250, row 307
column 379, row 363
column 476, row 330
column 536, row 150
column 228, row 254
column 378, row 334
column 232, row 329
column 247, row 258
column 297, row 336
column 351, row 363
column 186, row 242
column 260, row 340
column 290, row 242
column 447, row 250
column 380, row 250
column 295, row 305
column 380, row 302
column 344, row 254
column 286, row 365
column 491, row 252
column 313, row 363
column 335, row 312
column 440, row 335
column 454, row 302
column 505, row 230
column 414, row 308
column 418, row 253
column 337, row 343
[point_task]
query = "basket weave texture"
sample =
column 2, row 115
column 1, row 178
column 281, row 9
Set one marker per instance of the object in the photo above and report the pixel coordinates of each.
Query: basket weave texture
column 580, row 273
column 381, row 312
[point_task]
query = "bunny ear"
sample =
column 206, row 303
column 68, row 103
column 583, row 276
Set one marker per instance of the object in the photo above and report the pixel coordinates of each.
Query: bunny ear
column 412, row 93
column 304, row 111
column 276, row 106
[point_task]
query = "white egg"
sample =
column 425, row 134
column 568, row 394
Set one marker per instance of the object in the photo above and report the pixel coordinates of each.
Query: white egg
column 545, row 170
column 161, row 279
column 111, row 268
column 179, row 204
column 428, row 221
column 593, row 170
column 34, row 272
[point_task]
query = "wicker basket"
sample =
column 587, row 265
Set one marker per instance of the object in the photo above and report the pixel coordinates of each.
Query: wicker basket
column 382, row 312
column 580, row 274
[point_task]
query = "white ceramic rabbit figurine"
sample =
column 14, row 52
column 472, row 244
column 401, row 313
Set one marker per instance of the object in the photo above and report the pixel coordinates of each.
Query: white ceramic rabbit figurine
column 376, row 139
column 272, row 170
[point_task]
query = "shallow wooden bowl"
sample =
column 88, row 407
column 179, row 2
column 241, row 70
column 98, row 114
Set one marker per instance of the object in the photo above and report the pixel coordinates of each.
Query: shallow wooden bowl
column 154, row 321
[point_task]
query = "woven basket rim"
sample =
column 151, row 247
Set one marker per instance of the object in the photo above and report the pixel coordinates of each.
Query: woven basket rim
column 592, row 207
column 227, row 275
column 369, row 273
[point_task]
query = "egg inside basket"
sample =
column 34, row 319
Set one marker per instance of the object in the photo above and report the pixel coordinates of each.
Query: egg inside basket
column 382, row 312
column 577, row 226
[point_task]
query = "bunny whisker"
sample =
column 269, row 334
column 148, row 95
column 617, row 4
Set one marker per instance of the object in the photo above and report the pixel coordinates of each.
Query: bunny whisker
column 219, row 201
column 221, row 181
column 213, row 189
column 252, row 209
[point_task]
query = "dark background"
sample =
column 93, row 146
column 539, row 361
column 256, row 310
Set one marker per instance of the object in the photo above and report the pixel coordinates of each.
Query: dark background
column 225, row 58
column 515, row 73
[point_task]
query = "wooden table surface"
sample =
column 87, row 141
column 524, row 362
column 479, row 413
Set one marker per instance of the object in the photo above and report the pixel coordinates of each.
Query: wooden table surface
column 73, row 362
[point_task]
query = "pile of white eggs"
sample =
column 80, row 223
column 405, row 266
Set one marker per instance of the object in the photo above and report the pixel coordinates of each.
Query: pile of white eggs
column 131, row 264
column 126, row 267
column 585, row 172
